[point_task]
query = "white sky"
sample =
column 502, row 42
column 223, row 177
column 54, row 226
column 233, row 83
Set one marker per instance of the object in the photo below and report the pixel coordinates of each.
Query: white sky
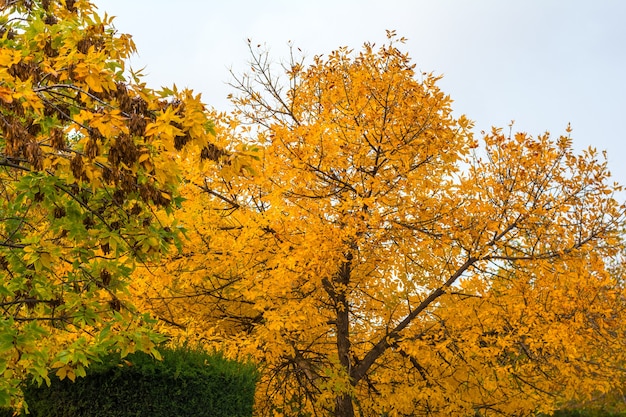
column 542, row 63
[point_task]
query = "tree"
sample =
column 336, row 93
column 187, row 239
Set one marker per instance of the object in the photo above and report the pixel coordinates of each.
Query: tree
column 378, row 260
column 88, row 156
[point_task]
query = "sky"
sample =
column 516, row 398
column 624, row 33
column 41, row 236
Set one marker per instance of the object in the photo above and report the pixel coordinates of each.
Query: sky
column 541, row 63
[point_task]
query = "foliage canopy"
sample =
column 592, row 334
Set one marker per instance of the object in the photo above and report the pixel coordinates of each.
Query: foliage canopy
column 376, row 259
column 345, row 231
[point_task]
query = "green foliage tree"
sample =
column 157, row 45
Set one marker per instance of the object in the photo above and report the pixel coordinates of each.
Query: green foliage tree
column 88, row 155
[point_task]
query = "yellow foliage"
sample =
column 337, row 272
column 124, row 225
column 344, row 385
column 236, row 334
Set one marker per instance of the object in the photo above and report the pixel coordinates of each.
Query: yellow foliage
column 374, row 259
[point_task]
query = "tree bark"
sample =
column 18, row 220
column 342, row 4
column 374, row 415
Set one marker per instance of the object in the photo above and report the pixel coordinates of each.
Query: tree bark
column 344, row 406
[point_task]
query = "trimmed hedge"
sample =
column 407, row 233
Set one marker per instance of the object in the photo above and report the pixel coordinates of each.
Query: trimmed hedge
column 587, row 413
column 185, row 383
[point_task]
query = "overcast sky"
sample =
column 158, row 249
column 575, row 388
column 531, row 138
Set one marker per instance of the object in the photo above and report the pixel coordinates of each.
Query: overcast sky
column 542, row 63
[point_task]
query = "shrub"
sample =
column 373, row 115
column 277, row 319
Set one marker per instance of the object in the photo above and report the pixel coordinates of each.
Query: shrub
column 186, row 382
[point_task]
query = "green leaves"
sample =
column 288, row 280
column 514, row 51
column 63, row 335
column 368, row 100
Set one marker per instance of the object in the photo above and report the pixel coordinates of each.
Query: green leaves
column 88, row 163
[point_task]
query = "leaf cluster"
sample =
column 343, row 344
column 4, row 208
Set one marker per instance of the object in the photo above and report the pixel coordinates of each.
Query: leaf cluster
column 89, row 170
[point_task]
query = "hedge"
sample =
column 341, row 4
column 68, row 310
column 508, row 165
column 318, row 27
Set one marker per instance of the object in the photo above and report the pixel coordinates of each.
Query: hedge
column 185, row 383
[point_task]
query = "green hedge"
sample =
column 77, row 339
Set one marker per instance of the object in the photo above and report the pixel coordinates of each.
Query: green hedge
column 185, row 383
column 587, row 413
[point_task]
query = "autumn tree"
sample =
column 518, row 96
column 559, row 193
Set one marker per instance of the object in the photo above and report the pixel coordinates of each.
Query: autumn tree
column 378, row 260
column 88, row 156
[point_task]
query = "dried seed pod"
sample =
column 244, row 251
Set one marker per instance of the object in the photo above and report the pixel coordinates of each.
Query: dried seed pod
column 91, row 148
column 118, row 197
column 88, row 222
column 212, row 153
column 105, row 277
column 70, row 6
column 77, row 166
column 50, row 20
column 34, row 155
column 59, row 212
column 115, row 304
column 57, row 139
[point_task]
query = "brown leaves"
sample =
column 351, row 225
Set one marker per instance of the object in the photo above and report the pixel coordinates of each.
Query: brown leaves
column 34, row 154
column 137, row 124
column 212, row 153
column 123, row 150
column 14, row 135
column 76, row 165
column 24, row 70
column 57, row 139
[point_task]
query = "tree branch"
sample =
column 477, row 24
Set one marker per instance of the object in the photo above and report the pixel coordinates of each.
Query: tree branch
column 359, row 371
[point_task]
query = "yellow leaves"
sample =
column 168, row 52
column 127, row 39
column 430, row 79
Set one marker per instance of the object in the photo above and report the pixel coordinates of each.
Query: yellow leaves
column 45, row 261
column 350, row 205
column 143, row 157
column 38, row 257
column 465, row 123
column 164, row 128
column 93, row 174
column 93, row 75
column 71, row 363
column 239, row 164
column 9, row 57
column 108, row 124
column 66, row 371
column 195, row 120
column 6, row 94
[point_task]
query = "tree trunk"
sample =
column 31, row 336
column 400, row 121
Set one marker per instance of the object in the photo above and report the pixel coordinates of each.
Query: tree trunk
column 344, row 406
